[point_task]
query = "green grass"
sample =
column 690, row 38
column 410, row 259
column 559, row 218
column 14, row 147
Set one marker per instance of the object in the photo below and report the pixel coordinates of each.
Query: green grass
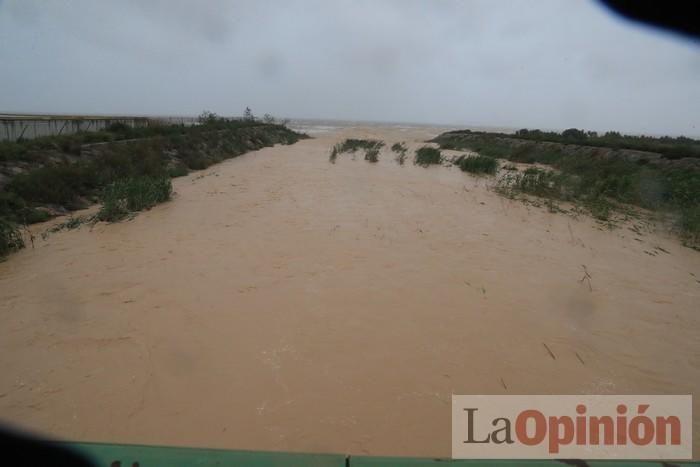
column 427, row 155
column 129, row 195
column 477, row 164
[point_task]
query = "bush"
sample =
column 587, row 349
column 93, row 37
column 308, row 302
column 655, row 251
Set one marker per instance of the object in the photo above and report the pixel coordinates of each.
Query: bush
column 538, row 182
column 133, row 194
column 426, row 156
column 60, row 184
column 334, row 154
column 370, row 146
column 34, row 216
column 372, row 155
column 352, row 145
column 400, row 149
column 160, row 151
column 10, row 150
column 584, row 176
column 12, row 207
column 690, row 223
column 10, row 237
column 118, row 127
column 600, row 208
column 178, row 170
column 478, row 164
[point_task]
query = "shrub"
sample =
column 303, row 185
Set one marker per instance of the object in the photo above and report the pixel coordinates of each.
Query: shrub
column 178, row 170
column 10, row 237
column 12, row 207
column 10, row 150
column 400, row 149
column 160, row 151
column 537, row 182
column 118, row 127
column 352, row 145
column 60, row 184
column 370, row 146
column 133, row 194
column 334, row 154
column 478, row 164
column 690, row 223
column 600, row 208
column 427, row 155
column 34, row 216
column 523, row 153
column 372, row 155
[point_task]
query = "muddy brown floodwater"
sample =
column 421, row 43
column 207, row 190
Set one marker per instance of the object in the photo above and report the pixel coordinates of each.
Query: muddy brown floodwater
column 281, row 302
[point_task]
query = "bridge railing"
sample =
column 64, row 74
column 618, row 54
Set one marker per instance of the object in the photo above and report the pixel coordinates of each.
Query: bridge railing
column 14, row 127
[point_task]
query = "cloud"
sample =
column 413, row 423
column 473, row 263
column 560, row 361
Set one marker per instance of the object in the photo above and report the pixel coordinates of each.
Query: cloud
column 547, row 64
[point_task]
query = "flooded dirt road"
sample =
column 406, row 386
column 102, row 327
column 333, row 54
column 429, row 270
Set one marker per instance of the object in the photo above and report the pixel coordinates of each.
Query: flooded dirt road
column 281, row 302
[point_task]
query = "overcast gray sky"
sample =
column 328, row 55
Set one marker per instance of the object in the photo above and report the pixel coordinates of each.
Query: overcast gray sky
column 546, row 64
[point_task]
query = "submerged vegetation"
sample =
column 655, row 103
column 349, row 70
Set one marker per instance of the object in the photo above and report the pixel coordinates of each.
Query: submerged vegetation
column 127, row 169
column 427, row 155
column 372, row 155
column 477, row 164
column 400, row 149
column 128, row 195
column 10, row 237
column 371, row 148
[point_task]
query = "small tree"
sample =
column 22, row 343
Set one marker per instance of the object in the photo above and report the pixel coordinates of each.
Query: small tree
column 207, row 117
column 267, row 118
column 248, row 115
column 573, row 133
